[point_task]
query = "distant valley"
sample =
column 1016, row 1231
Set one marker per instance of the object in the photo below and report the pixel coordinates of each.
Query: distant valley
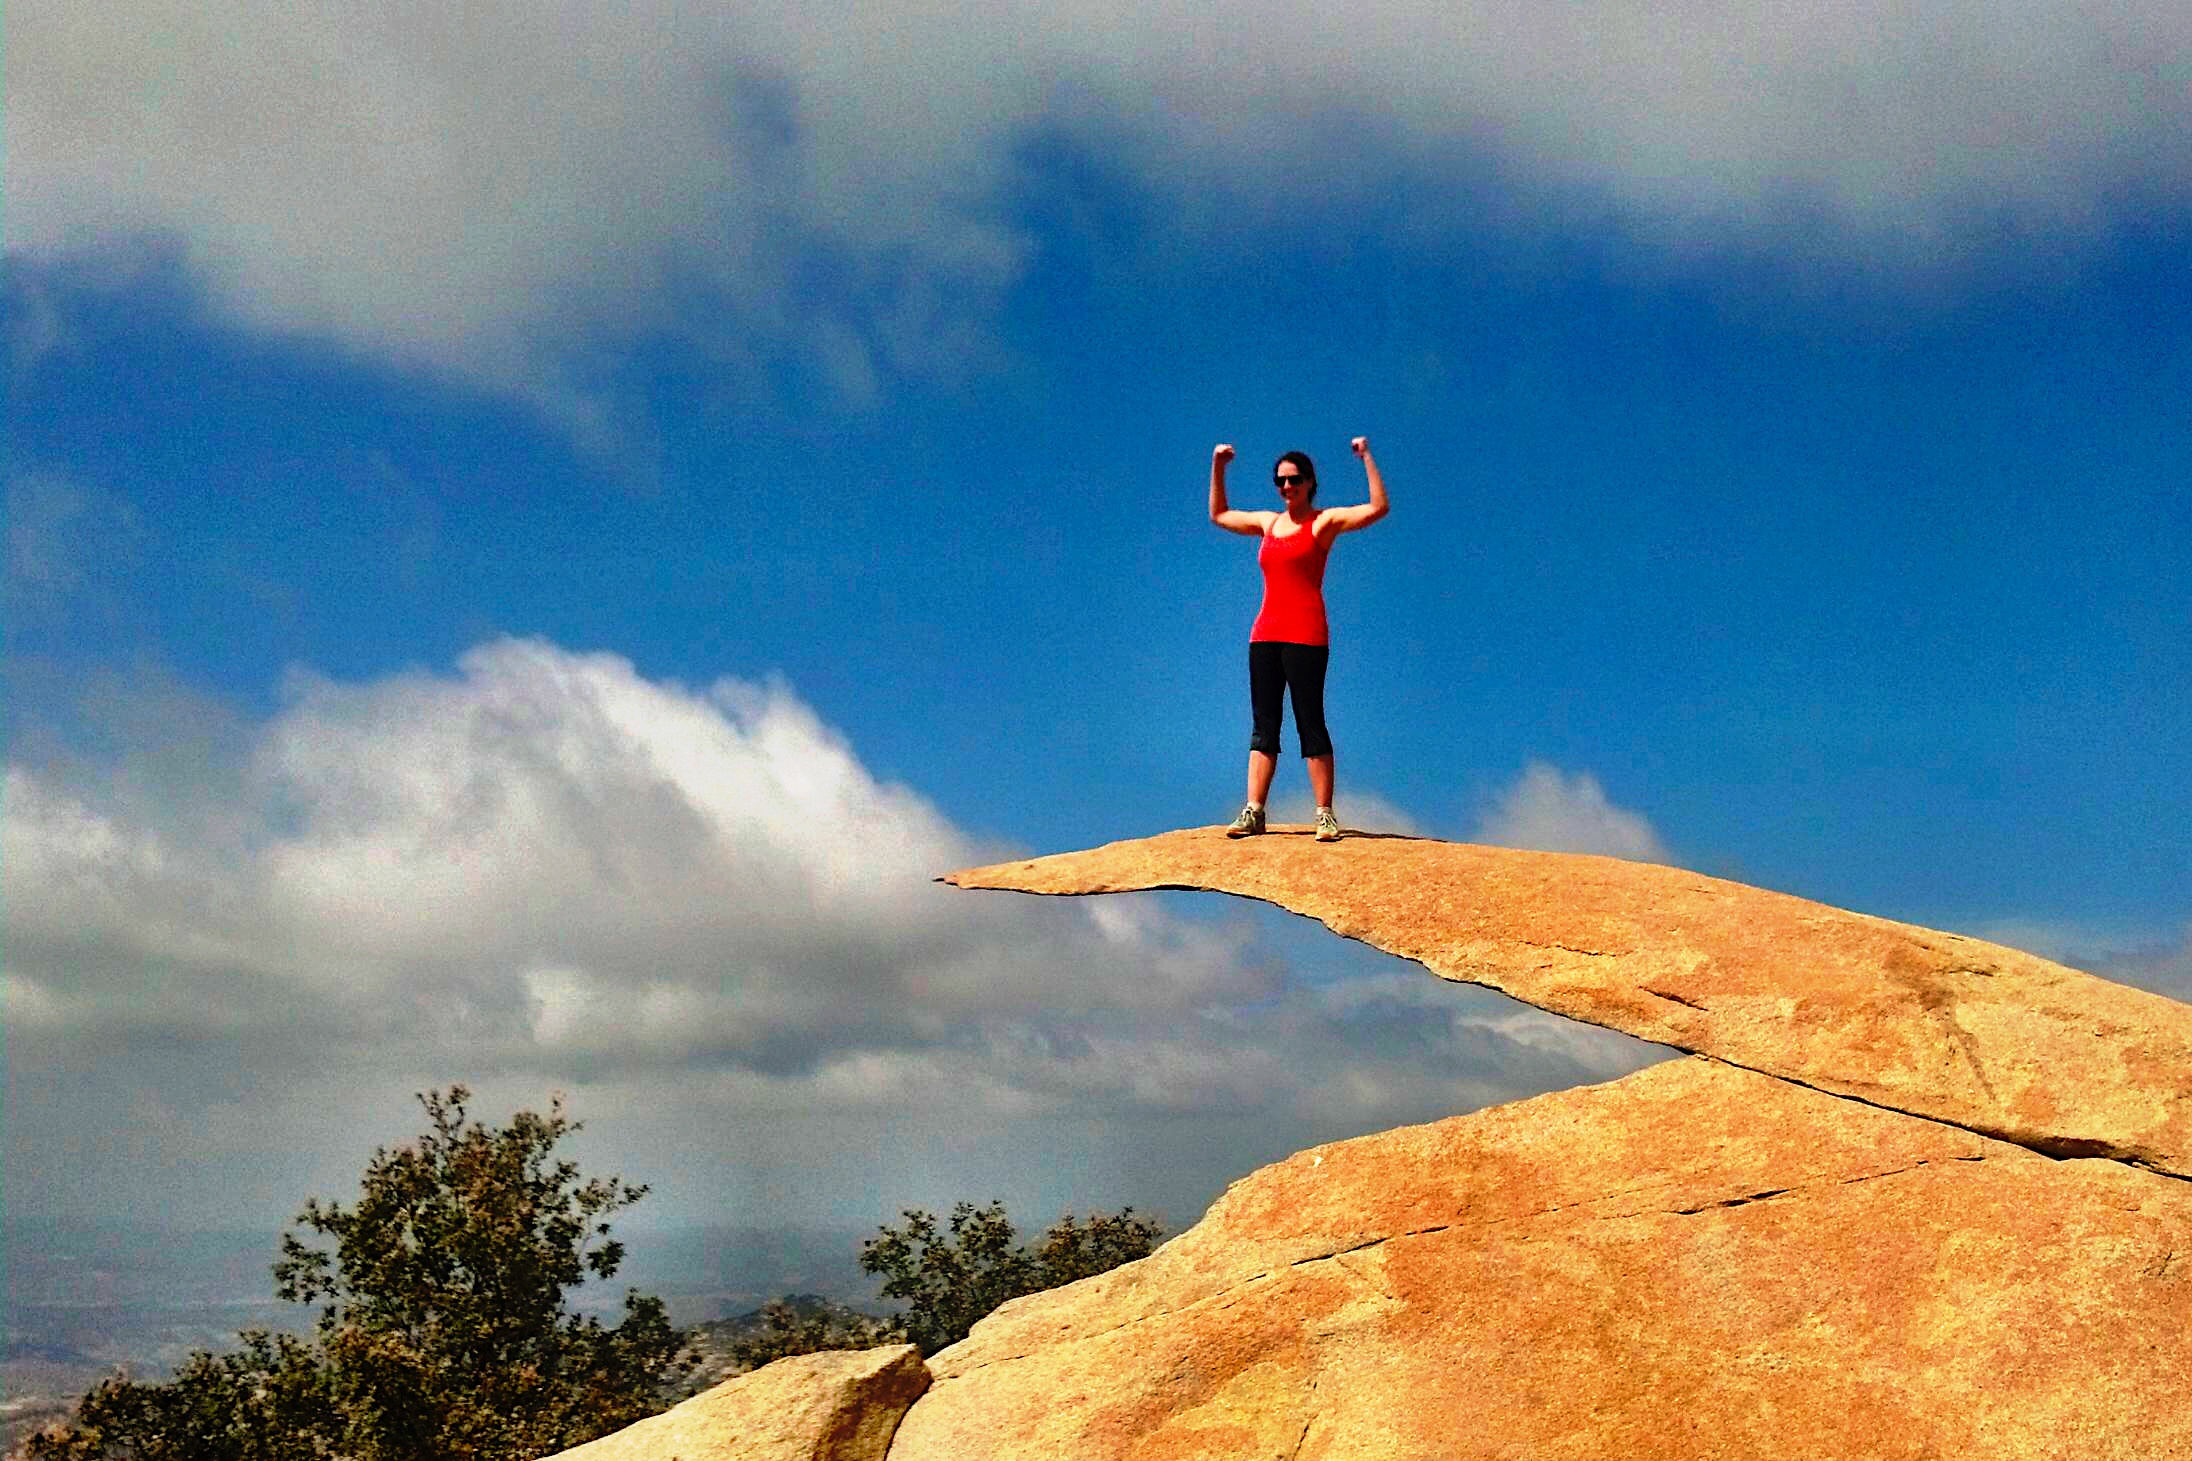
column 82, row 1300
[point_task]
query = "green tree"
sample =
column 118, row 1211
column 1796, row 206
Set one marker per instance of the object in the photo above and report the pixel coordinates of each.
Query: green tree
column 442, row 1330
column 951, row 1281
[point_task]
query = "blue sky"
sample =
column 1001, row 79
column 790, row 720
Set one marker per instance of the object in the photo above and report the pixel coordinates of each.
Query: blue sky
column 529, row 543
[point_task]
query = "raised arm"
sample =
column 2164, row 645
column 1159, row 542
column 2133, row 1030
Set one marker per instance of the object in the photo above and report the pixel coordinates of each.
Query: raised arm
column 1347, row 519
column 1231, row 520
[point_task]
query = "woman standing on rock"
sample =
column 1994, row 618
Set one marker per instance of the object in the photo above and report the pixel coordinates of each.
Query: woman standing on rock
column 1290, row 645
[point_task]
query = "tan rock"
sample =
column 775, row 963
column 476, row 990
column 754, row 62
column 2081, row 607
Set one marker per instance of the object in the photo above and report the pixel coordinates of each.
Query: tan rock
column 841, row 1406
column 1930, row 1023
column 1696, row 1261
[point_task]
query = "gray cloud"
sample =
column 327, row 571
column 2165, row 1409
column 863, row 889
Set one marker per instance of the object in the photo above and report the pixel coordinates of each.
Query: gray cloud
column 2163, row 968
column 2161, row 964
column 456, row 187
column 693, row 904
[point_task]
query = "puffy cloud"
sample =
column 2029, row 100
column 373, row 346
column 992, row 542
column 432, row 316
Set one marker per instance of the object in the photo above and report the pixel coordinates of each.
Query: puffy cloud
column 695, row 903
column 550, row 834
column 452, row 186
column 1553, row 812
column 452, row 189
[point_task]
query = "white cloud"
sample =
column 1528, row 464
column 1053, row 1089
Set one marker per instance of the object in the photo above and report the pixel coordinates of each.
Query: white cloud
column 696, row 904
column 455, row 186
column 1553, row 812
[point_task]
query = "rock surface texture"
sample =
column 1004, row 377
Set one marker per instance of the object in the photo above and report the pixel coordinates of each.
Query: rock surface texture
column 1913, row 1196
column 841, row 1406
column 1917, row 1196
column 1930, row 1023
column 1695, row 1261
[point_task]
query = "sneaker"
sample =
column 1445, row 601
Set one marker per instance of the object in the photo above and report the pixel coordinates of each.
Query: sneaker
column 1328, row 826
column 1248, row 824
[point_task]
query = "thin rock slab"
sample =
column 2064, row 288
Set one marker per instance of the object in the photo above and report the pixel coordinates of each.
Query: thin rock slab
column 1930, row 1023
column 843, row 1405
column 1695, row 1261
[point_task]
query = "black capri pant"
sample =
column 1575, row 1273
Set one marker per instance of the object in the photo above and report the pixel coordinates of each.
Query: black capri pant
column 1275, row 668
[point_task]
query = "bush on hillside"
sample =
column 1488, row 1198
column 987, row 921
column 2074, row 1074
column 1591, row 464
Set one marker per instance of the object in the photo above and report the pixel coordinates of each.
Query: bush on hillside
column 951, row 1278
column 951, row 1281
column 442, row 1331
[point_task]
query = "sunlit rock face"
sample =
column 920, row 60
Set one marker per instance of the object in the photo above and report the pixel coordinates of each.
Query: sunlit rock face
column 1914, row 1196
column 1921, row 1196
column 1930, row 1023
column 1694, row 1261
column 840, row 1406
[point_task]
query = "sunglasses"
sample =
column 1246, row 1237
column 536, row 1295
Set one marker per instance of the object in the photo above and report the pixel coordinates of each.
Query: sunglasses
column 1278, row 481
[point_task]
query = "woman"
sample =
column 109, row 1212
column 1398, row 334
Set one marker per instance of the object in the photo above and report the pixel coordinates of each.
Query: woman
column 1289, row 646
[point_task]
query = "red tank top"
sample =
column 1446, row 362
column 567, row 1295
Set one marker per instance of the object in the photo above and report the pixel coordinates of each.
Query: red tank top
column 1293, row 587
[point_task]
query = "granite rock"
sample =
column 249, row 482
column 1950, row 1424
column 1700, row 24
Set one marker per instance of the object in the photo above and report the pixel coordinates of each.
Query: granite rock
column 1929, row 1023
column 1695, row 1261
column 844, row 1405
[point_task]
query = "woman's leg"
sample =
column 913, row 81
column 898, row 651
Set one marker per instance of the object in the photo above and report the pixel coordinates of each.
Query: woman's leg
column 1305, row 669
column 1266, row 699
column 1305, row 666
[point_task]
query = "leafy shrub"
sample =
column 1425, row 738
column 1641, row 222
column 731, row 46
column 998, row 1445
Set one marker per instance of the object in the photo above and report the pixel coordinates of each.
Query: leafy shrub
column 442, row 1330
column 951, row 1282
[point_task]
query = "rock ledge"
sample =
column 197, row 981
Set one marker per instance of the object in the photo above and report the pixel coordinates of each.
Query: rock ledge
column 1933, row 1024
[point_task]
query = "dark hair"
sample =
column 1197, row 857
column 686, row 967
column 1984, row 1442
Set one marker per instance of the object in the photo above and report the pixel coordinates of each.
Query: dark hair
column 1307, row 467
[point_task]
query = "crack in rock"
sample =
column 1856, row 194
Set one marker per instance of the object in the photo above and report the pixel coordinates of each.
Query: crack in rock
column 1674, row 998
column 1372, row 1243
column 1231, row 1294
column 1572, row 949
column 2057, row 1148
column 1744, row 1200
column 1307, row 1422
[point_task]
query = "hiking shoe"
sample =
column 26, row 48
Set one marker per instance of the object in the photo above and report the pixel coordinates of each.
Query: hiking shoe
column 1328, row 826
column 1248, row 824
